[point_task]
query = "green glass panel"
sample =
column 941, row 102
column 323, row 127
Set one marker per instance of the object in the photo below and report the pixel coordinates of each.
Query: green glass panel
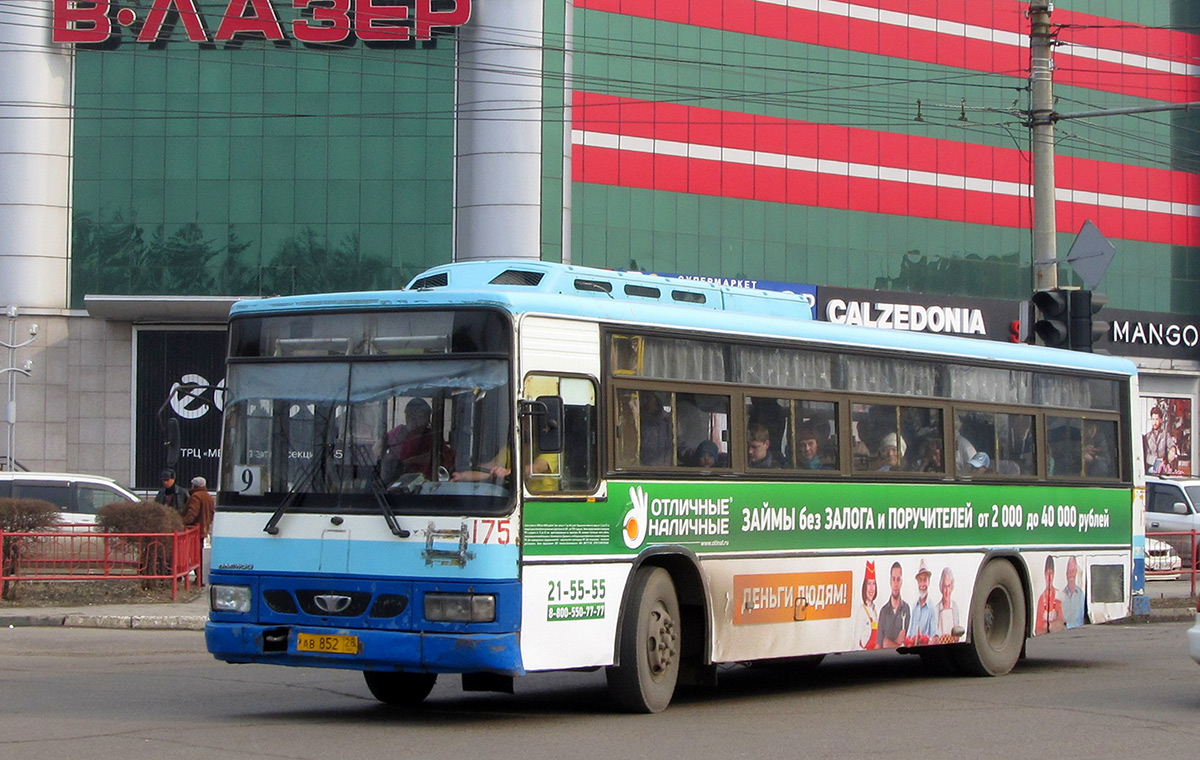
column 311, row 203
column 278, row 202
column 343, row 201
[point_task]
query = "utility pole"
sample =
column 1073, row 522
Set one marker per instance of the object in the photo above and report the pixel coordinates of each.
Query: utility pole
column 1041, row 120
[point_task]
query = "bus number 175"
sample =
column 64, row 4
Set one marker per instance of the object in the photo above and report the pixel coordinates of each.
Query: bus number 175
column 491, row 531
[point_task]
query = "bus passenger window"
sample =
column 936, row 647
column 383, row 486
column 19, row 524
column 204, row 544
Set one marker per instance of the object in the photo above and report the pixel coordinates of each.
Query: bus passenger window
column 1063, row 439
column 889, row 438
column 975, row 435
column 769, row 437
column 645, row 429
column 1100, row 449
column 878, row 444
column 575, row 468
column 656, row 433
column 922, row 428
column 1016, row 445
column 932, row 455
column 625, row 429
column 702, row 430
column 816, row 435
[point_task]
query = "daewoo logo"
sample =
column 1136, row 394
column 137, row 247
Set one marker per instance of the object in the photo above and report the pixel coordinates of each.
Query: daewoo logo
column 332, row 603
column 637, row 519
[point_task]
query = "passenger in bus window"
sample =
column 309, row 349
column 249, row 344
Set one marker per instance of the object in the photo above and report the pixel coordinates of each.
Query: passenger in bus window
column 964, row 449
column 1097, row 453
column 707, row 455
column 1019, row 443
column 891, row 450
column 656, row 433
column 932, row 456
column 1065, row 458
column 980, row 464
column 758, row 448
column 809, row 445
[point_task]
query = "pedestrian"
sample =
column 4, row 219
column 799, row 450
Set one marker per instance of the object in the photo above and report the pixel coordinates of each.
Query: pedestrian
column 171, row 495
column 200, row 507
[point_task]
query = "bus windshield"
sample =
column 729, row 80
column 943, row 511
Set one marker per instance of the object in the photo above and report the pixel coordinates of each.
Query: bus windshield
column 413, row 434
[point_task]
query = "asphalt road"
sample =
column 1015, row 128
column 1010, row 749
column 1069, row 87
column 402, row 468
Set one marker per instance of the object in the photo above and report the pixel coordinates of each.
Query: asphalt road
column 1103, row 691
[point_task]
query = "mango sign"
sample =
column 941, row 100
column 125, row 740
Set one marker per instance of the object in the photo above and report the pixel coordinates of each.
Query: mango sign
column 318, row 22
column 791, row 597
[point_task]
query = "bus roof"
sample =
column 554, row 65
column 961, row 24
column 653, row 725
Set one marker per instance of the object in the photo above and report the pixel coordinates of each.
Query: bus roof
column 527, row 286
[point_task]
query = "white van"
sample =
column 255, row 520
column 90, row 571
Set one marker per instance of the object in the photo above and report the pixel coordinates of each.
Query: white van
column 79, row 497
column 1171, row 507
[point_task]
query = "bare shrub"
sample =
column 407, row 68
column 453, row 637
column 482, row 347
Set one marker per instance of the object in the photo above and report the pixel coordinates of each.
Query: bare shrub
column 21, row 516
column 154, row 554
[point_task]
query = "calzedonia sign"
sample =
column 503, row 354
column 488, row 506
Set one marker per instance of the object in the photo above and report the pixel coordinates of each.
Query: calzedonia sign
column 314, row 22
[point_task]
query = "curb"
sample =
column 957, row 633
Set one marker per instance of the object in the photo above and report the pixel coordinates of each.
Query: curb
column 142, row 622
column 24, row 621
column 1171, row 615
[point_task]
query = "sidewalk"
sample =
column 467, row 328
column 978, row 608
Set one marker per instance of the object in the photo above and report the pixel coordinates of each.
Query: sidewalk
column 1170, row 602
column 178, row 616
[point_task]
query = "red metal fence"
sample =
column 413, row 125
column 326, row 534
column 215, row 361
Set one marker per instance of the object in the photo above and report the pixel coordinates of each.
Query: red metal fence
column 80, row 553
column 1183, row 542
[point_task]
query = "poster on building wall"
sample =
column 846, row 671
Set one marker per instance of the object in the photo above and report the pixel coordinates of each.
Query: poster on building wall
column 1167, row 435
column 166, row 359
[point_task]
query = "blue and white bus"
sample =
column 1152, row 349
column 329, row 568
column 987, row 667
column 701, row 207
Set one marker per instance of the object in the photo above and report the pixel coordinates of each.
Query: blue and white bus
column 519, row 466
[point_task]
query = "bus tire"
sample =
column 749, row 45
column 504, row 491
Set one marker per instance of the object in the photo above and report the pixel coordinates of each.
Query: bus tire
column 644, row 682
column 996, row 623
column 401, row 689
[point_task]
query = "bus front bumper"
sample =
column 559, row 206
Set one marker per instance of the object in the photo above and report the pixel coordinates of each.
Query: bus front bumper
column 407, row 651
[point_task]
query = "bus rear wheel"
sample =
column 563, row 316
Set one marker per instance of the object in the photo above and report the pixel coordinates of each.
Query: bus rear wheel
column 644, row 682
column 997, row 623
column 401, row 689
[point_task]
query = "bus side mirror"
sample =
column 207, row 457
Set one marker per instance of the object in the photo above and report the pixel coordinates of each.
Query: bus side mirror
column 546, row 416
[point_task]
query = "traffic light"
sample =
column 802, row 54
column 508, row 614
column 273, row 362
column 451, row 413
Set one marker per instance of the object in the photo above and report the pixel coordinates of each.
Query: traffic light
column 1053, row 324
column 1019, row 328
column 1085, row 329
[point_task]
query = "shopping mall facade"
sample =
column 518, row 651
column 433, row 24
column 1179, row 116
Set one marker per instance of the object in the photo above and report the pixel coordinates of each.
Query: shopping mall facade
column 160, row 159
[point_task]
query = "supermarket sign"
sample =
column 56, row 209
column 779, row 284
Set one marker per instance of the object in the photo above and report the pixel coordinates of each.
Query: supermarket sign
column 314, row 22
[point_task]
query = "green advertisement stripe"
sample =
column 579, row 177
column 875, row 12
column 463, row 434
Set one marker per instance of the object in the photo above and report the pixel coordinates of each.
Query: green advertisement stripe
column 764, row 517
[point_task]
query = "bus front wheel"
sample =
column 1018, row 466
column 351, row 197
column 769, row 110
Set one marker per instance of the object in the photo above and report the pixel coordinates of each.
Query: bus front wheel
column 402, row 689
column 644, row 682
column 997, row 623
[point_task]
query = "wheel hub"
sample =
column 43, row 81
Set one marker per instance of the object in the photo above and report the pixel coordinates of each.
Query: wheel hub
column 661, row 644
column 997, row 618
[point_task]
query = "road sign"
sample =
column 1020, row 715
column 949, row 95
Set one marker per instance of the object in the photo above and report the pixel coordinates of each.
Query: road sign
column 1090, row 255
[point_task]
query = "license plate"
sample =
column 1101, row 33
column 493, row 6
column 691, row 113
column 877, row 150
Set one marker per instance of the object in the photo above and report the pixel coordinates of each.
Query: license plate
column 328, row 644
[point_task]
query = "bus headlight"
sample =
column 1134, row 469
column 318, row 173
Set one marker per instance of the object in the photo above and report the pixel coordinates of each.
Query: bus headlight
column 229, row 598
column 460, row 608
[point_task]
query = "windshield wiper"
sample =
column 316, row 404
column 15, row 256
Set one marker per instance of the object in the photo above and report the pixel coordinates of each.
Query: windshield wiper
column 289, row 498
column 381, row 497
column 379, row 491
